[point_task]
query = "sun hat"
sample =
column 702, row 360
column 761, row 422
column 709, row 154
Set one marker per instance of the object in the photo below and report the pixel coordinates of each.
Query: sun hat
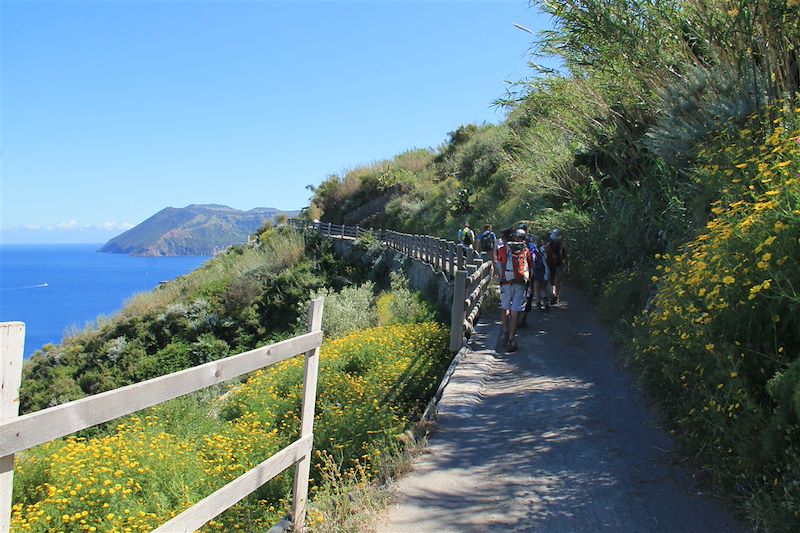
column 555, row 235
column 520, row 234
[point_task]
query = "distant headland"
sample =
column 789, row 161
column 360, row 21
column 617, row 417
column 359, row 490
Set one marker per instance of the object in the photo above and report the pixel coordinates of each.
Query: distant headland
column 197, row 229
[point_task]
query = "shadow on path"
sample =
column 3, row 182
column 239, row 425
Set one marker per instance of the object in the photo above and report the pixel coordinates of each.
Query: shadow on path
column 555, row 439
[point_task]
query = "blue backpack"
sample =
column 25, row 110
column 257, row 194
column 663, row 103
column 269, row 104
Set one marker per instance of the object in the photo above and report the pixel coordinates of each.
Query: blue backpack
column 538, row 261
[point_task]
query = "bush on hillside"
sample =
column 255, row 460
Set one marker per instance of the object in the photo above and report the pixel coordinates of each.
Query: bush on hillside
column 401, row 305
column 348, row 310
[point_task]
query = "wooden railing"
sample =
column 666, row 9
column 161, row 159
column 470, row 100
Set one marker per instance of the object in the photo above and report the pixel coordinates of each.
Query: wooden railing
column 329, row 230
column 470, row 270
column 18, row 433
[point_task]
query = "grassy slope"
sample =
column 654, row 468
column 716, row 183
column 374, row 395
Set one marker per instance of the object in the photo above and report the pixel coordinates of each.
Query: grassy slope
column 139, row 471
column 243, row 298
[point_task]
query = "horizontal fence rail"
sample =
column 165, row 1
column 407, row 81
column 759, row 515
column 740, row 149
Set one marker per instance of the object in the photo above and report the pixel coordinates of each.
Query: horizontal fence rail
column 469, row 270
column 19, row 433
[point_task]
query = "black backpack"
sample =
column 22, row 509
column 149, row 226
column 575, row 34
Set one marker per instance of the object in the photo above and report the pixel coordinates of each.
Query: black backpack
column 467, row 237
column 555, row 253
column 487, row 241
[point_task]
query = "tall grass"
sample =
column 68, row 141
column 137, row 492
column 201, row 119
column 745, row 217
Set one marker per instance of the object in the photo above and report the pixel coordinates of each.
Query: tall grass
column 270, row 257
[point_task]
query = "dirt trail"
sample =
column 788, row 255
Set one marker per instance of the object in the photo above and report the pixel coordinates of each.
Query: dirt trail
column 553, row 437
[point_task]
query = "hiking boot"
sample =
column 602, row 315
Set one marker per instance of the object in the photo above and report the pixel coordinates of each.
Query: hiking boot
column 554, row 300
column 512, row 346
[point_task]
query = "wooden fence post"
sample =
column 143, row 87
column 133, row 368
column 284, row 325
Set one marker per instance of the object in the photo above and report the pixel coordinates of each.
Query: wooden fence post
column 307, row 417
column 459, row 257
column 12, row 342
column 429, row 250
column 457, row 312
column 451, row 262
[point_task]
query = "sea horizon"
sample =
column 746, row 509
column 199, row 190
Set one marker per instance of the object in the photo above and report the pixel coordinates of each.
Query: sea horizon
column 57, row 288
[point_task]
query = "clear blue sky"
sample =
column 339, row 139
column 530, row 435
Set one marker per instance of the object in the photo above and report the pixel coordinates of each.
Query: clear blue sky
column 114, row 110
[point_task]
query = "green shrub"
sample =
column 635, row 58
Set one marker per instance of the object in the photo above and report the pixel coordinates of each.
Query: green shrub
column 401, row 305
column 348, row 310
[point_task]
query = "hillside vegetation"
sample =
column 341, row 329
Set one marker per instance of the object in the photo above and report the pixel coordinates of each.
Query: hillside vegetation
column 666, row 150
column 147, row 468
column 382, row 360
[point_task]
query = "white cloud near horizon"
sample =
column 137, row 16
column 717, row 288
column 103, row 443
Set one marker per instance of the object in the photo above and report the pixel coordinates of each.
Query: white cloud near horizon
column 71, row 225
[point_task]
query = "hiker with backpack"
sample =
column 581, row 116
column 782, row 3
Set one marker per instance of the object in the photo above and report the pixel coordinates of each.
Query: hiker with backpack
column 558, row 262
column 487, row 242
column 540, row 274
column 541, row 286
column 514, row 267
column 466, row 236
column 506, row 235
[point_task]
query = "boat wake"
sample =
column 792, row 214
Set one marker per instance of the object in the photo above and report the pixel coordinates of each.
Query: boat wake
column 39, row 286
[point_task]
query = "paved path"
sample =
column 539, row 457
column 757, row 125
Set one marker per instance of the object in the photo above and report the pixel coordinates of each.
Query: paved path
column 551, row 438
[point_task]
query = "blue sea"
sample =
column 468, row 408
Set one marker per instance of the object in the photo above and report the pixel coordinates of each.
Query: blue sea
column 54, row 287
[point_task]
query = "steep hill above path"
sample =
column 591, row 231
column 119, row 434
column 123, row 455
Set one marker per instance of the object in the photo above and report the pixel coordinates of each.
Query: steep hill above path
column 197, row 229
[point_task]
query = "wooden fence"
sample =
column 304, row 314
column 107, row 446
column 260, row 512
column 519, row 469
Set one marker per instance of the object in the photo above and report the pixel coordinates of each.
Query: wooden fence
column 329, row 230
column 469, row 270
column 18, row 433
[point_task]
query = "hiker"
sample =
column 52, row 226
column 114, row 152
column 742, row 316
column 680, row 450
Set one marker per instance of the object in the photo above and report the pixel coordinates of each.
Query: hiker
column 514, row 267
column 466, row 236
column 487, row 242
column 540, row 274
column 558, row 262
column 541, row 284
column 505, row 236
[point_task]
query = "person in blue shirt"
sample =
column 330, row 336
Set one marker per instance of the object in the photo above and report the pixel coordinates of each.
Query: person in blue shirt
column 487, row 242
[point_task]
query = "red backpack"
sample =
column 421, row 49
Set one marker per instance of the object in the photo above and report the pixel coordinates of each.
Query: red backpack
column 515, row 263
